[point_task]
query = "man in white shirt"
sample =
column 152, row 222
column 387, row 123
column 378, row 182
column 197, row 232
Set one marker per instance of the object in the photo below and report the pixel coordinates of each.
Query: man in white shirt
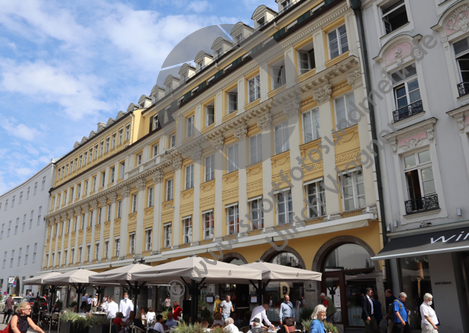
column 260, row 313
column 159, row 324
column 112, row 308
column 125, row 306
column 226, row 307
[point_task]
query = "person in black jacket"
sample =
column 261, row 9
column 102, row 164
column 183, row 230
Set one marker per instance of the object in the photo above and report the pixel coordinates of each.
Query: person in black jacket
column 368, row 314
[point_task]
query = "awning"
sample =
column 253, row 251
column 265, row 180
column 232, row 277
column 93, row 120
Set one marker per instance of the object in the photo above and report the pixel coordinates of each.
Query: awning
column 443, row 241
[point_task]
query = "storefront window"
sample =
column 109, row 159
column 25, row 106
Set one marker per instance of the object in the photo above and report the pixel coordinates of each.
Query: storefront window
column 347, row 256
column 415, row 283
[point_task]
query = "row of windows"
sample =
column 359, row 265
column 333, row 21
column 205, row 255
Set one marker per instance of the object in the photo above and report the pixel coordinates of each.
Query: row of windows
column 20, row 199
column 23, row 226
column 19, row 259
column 117, row 138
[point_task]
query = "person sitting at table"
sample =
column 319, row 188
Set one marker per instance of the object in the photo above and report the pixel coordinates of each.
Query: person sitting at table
column 218, row 320
column 230, row 326
column 119, row 322
column 170, row 322
column 288, row 326
column 176, row 310
column 151, row 316
column 142, row 315
column 136, row 321
column 159, row 324
column 256, row 326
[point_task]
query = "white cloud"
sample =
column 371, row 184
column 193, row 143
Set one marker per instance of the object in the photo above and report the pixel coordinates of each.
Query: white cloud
column 19, row 130
column 199, row 6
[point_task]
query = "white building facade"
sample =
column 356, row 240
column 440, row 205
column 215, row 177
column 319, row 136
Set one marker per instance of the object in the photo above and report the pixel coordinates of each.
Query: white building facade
column 417, row 53
column 22, row 231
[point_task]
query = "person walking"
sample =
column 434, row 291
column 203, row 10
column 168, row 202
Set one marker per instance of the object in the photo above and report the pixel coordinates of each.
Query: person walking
column 286, row 310
column 368, row 314
column 84, row 302
column 167, row 303
column 9, row 303
column 429, row 318
column 21, row 321
column 216, row 305
column 318, row 316
column 226, row 307
column 329, row 304
column 401, row 323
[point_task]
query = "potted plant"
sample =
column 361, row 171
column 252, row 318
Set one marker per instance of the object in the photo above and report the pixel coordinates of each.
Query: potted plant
column 330, row 328
column 306, row 324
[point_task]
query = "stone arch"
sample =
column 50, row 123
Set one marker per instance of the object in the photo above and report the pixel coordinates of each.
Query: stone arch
column 271, row 253
column 331, row 244
column 233, row 255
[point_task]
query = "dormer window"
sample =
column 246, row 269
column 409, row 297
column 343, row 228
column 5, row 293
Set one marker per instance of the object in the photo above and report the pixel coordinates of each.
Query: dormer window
column 238, row 38
column 218, row 53
column 286, row 4
column 200, row 65
column 261, row 22
column 156, row 123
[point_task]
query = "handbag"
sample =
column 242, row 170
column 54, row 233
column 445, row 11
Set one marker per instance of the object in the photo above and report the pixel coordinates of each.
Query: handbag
column 8, row 328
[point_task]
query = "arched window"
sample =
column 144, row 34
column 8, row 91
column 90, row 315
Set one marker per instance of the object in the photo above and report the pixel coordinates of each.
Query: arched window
column 286, row 259
column 347, row 256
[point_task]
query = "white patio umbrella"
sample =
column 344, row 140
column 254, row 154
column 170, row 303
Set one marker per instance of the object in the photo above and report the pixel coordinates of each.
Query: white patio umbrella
column 123, row 276
column 194, row 271
column 39, row 280
column 275, row 272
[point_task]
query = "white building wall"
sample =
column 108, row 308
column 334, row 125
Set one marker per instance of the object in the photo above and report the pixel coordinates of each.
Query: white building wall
column 29, row 239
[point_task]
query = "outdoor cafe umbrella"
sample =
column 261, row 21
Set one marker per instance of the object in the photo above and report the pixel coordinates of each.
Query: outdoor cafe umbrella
column 122, row 275
column 78, row 278
column 194, row 271
column 42, row 280
column 275, row 272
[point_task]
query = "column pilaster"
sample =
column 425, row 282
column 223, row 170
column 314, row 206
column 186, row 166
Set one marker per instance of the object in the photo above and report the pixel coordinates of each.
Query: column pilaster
column 139, row 241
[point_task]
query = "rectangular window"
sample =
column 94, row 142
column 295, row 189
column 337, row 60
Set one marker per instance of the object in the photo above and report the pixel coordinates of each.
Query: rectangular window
column 167, row 234
column 406, row 93
column 316, row 198
column 122, row 170
column 85, row 157
column 26, row 255
column 9, row 228
column 117, row 247
column 232, row 214
column 121, row 133
column 113, row 173
column 21, row 197
column 210, row 114
column 345, row 114
column 106, row 249
column 113, row 144
column 232, row 152
column 13, row 202
column 34, row 253
column 35, row 188
column 232, row 97
column 96, row 251
column 150, row 197
column 127, row 132
column 65, row 257
column 119, row 209
column 278, row 74
column 256, row 213
column 155, row 150
column 86, row 187
column 109, row 212
column 337, row 41
column 101, row 148
column 83, row 221
column 209, row 167
column 394, row 15
column 284, row 207
column 16, row 225
column 190, row 126
column 80, row 161
column 139, row 159
column 187, row 229
column 96, row 151
column 169, row 189
column 39, row 215
column 306, row 60
column 282, row 142
column 255, row 148
column 189, row 176
column 23, row 227
column 134, row 203
column 90, row 157
column 78, row 191
column 353, row 190
column 254, row 85
column 103, row 178
column 80, row 253
column 88, row 252
column 132, row 243
column 72, row 255
column 172, row 141
column 208, row 224
column 311, row 126
column 148, row 239
column 1, row 231
column 91, row 218
column 94, row 183
column 100, row 214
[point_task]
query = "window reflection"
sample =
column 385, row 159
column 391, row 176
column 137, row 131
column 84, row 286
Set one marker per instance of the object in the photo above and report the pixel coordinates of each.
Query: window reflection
column 347, row 256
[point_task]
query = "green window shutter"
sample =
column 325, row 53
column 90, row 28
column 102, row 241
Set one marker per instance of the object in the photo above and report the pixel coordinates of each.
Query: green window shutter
column 202, row 85
column 187, row 95
column 237, row 62
column 279, row 33
column 256, row 48
column 303, row 17
column 151, row 123
column 218, row 74
column 326, row 2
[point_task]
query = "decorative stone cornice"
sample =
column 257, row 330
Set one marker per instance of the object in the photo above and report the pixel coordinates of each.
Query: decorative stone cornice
column 141, row 184
column 218, row 142
column 113, row 197
column 241, row 132
column 176, row 163
column 158, row 176
column 63, row 216
column 94, row 204
column 461, row 123
column 322, row 94
column 86, row 207
column 264, row 121
column 292, row 109
column 196, row 154
column 102, row 201
column 355, row 78
column 125, row 192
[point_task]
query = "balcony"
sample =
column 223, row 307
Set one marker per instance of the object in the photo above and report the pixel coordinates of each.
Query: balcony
column 463, row 88
column 424, row 204
column 407, row 111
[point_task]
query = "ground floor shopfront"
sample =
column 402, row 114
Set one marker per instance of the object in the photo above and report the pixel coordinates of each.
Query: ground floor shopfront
column 436, row 261
column 344, row 258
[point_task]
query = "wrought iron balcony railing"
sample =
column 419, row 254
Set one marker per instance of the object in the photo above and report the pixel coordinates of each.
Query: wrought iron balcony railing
column 463, row 88
column 418, row 205
column 407, row 111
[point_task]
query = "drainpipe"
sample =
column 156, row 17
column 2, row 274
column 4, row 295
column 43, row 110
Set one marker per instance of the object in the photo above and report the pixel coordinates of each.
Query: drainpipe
column 356, row 6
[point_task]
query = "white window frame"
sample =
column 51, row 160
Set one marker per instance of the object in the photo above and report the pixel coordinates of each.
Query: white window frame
column 117, row 246
column 255, row 148
column 209, row 173
column 254, row 88
column 167, row 234
column 341, row 47
column 132, row 243
column 189, row 176
column 349, row 101
column 190, row 126
column 285, row 201
column 310, row 126
column 150, row 197
column 232, row 158
column 208, row 218
column 169, row 189
column 256, row 213
column 148, row 239
column 277, row 74
column 355, row 184
column 187, row 228
column 134, row 203
column 316, row 208
column 281, row 137
column 386, row 21
column 419, row 167
column 209, row 120
column 232, row 219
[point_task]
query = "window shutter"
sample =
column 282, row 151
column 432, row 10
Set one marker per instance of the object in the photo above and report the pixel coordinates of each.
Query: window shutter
column 327, row 2
column 151, row 123
column 303, row 17
column 187, row 95
column 256, row 48
column 237, row 62
column 311, row 59
column 218, row 74
column 279, row 33
column 202, row 85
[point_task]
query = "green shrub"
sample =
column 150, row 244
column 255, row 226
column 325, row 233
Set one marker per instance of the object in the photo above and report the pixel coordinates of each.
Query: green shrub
column 306, row 314
column 306, row 324
column 330, row 327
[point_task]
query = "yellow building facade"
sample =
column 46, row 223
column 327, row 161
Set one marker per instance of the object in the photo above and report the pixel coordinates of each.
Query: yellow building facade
column 254, row 153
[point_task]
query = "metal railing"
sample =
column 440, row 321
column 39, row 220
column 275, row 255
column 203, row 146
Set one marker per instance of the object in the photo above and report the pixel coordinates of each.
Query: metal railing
column 407, row 111
column 463, row 88
column 418, row 205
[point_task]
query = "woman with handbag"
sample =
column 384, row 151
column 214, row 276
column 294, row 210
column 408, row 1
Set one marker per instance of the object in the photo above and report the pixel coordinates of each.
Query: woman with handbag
column 21, row 321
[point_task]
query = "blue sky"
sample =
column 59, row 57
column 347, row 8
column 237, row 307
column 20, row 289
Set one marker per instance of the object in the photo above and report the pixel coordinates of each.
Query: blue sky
column 66, row 65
